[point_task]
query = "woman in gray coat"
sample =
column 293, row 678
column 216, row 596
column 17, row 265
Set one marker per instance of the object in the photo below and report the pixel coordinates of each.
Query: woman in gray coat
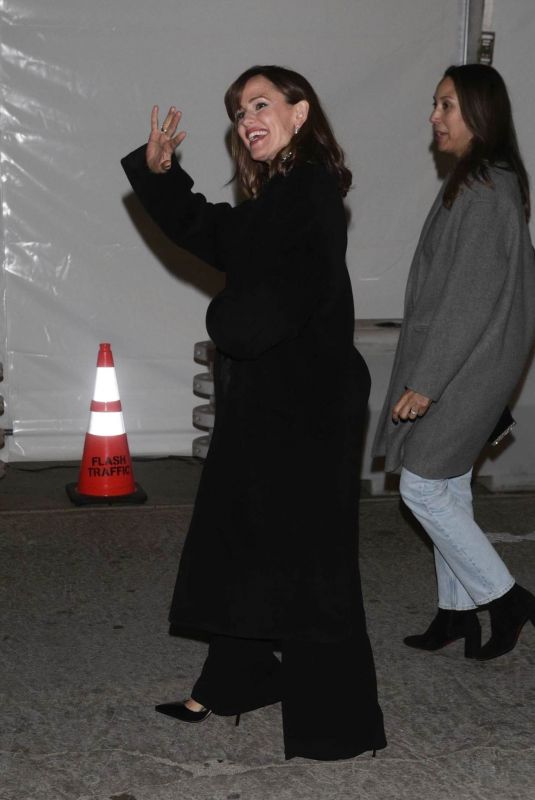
column 468, row 328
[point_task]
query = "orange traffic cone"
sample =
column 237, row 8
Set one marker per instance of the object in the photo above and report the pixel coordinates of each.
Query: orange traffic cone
column 106, row 474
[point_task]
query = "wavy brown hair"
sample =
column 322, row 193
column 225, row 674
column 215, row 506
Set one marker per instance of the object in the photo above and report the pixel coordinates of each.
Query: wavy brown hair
column 486, row 110
column 314, row 142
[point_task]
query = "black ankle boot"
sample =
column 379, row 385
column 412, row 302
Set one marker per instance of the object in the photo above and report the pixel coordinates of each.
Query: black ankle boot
column 508, row 615
column 447, row 627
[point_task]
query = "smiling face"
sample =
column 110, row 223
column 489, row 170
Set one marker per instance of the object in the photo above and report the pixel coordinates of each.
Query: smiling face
column 451, row 133
column 265, row 120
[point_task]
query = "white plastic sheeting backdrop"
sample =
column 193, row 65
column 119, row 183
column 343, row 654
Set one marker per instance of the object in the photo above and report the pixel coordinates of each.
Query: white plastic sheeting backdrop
column 81, row 263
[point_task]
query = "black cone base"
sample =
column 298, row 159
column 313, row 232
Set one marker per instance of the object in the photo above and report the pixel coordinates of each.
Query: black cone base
column 134, row 498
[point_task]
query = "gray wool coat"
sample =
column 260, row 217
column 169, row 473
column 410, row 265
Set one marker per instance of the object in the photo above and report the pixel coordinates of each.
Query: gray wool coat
column 468, row 328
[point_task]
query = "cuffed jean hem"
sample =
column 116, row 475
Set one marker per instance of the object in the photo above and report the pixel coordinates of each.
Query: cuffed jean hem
column 497, row 595
column 480, row 602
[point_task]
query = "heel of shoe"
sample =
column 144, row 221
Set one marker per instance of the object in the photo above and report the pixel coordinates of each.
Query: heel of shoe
column 528, row 602
column 472, row 639
column 508, row 615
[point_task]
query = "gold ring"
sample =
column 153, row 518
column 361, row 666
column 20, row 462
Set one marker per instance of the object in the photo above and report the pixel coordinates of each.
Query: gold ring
column 163, row 130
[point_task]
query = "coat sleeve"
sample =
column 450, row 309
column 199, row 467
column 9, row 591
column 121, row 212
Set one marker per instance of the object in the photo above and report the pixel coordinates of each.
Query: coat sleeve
column 254, row 314
column 476, row 276
column 187, row 218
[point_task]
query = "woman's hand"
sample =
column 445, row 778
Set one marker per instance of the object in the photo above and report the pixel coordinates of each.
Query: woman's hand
column 163, row 141
column 410, row 405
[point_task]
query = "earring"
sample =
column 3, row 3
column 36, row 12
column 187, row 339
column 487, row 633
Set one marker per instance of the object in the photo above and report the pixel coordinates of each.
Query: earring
column 296, row 130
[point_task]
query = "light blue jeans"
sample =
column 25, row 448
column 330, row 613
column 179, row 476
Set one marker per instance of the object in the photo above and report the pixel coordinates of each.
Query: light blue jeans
column 469, row 570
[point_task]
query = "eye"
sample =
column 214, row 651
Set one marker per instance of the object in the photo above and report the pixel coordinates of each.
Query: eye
column 260, row 104
column 239, row 115
column 445, row 105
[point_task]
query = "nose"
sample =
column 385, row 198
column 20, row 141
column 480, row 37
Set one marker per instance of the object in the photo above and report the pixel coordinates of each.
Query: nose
column 248, row 117
column 435, row 116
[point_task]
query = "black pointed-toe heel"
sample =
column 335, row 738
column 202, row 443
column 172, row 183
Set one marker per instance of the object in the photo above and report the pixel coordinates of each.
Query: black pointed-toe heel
column 179, row 710
column 508, row 615
column 448, row 627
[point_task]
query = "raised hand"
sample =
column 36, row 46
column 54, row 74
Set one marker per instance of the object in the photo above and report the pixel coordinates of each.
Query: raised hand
column 163, row 141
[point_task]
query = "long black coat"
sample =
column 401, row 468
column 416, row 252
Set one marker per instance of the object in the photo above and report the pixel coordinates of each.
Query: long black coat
column 272, row 551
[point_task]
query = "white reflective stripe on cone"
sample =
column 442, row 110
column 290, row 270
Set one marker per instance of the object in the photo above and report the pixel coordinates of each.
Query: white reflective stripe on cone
column 106, row 423
column 106, row 389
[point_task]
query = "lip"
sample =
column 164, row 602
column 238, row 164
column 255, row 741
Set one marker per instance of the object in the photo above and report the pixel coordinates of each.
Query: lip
column 441, row 138
column 263, row 132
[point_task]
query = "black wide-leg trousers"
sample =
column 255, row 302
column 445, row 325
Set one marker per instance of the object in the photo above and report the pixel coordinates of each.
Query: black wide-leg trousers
column 328, row 691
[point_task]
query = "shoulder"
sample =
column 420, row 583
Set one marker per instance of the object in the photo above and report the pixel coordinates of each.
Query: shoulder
column 311, row 175
column 502, row 192
column 491, row 211
column 314, row 188
column 306, row 196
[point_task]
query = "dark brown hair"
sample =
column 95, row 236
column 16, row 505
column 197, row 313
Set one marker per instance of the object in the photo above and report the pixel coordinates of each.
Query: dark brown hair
column 486, row 110
column 314, row 142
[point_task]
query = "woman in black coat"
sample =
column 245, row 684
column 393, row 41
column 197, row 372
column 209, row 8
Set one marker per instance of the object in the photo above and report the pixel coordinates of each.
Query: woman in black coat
column 271, row 557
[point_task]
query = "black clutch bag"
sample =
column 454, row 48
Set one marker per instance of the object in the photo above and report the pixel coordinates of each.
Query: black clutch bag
column 504, row 426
